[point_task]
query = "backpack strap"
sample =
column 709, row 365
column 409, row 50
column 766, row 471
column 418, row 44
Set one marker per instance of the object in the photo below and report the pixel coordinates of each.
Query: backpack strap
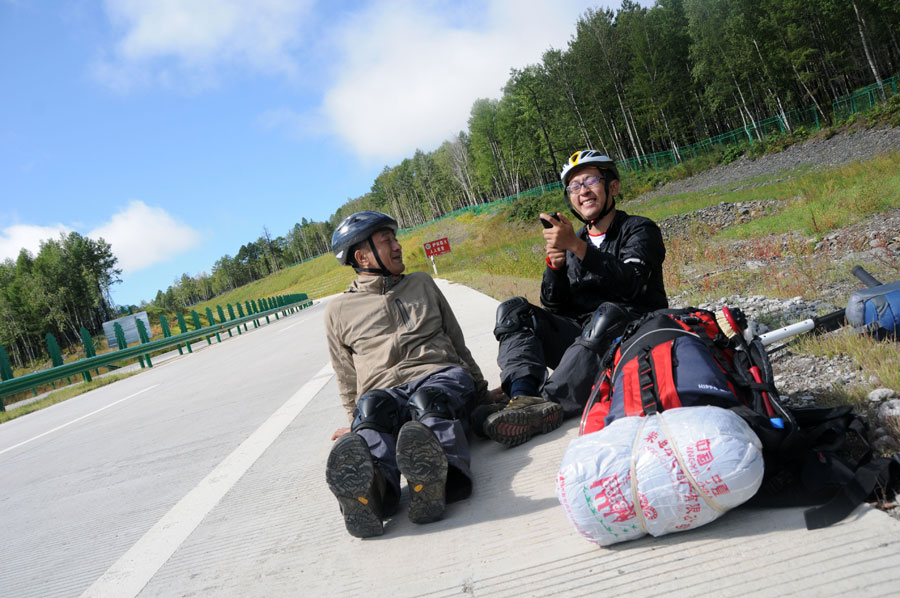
column 878, row 474
column 647, row 378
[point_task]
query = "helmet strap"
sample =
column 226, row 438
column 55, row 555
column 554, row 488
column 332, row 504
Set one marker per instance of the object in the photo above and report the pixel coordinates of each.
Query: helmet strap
column 609, row 205
column 383, row 271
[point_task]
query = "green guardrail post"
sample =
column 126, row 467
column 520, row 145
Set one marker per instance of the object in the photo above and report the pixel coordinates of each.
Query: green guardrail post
column 183, row 325
column 5, row 366
column 197, row 326
column 145, row 338
column 55, row 355
column 5, row 372
column 264, row 307
column 167, row 332
column 122, row 343
column 222, row 317
column 251, row 310
column 231, row 317
column 274, row 305
column 120, row 336
column 212, row 322
column 89, row 350
column 241, row 314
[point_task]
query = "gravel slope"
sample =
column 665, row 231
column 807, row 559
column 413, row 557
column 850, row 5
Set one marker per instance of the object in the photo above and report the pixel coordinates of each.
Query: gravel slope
column 816, row 153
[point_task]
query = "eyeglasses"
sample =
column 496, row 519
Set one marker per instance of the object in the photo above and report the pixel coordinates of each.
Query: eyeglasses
column 588, row 182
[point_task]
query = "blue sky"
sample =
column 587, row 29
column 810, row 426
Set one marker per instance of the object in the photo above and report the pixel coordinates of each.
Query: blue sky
column 178, row 129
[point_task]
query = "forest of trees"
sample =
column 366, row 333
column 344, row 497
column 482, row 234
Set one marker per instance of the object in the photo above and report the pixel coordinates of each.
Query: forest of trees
column 64, row 287
column 630, row 83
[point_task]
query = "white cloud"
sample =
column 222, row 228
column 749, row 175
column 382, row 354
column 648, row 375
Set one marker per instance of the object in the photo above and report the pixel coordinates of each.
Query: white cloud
column 142, row 235
column 172, row 42
column 27, row 236
column 408, row 74
column 394, row 75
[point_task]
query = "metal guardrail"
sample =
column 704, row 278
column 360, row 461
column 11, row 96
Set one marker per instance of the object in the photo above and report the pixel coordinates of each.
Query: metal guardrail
column 8, row 387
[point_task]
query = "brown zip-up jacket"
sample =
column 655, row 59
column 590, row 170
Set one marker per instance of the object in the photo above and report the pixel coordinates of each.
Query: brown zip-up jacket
column 385, row 331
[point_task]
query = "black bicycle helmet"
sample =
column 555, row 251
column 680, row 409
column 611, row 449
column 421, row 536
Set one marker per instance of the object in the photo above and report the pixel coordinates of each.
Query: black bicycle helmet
column 356, row 228
column 603, row 163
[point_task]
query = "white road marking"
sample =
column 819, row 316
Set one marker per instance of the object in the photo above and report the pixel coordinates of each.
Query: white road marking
column 129, row 575
column 78, row 419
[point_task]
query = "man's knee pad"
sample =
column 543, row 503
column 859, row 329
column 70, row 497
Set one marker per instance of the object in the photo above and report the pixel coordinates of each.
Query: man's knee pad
column 608, row 321
column 430, row 402
column 512, row 315
column 376, row 410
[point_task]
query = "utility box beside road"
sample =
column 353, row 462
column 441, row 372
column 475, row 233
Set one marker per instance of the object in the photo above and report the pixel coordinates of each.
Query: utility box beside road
column 129, row 327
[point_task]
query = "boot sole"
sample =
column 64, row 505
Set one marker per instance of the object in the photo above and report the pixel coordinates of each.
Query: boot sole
column 422, row 462
column 350, row 475
column 516, row 426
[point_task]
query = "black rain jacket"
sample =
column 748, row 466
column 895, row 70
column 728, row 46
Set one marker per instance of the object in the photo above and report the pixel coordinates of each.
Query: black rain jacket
column 625, row 269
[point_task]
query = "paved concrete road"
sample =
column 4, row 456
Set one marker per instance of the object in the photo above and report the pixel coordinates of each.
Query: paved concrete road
column 205, row 477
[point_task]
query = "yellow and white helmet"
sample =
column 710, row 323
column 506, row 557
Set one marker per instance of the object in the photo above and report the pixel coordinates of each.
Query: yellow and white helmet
column 589, row 157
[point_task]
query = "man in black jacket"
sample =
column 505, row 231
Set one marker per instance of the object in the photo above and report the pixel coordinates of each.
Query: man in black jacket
column 596, row 281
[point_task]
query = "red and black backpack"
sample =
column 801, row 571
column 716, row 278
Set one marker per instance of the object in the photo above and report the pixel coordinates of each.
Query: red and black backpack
column 691, row 357
column 682, row 358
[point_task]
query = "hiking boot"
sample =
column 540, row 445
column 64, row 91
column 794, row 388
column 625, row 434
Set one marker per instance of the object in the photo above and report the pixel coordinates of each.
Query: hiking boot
column 422, row 462
column 521, row 419
column 357, row 484
column 480, row 414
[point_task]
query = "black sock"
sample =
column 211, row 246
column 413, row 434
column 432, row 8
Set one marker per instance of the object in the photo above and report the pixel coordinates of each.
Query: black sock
column 523, row 386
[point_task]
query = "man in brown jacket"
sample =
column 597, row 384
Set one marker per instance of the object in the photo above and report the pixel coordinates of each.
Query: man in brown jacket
column 406, row 379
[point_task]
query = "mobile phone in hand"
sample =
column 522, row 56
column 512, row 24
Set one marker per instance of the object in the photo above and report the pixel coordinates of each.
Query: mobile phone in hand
column 546, row 222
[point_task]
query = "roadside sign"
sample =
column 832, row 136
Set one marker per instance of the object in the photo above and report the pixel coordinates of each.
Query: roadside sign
column 433, row 248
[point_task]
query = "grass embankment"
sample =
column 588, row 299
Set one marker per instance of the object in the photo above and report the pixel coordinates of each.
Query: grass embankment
column 318, row 277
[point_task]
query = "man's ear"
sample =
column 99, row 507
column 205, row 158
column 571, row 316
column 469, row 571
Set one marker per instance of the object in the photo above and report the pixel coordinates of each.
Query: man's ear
column 362, row 258
column 614, row 187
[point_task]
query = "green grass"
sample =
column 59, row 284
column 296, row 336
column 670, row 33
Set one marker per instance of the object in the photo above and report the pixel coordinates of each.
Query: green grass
column 318, row 277
column 880, row 358
column 821, row 202
column 769, row 186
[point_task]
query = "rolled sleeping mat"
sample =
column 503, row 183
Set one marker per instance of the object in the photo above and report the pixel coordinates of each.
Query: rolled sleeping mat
column 876, row 310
